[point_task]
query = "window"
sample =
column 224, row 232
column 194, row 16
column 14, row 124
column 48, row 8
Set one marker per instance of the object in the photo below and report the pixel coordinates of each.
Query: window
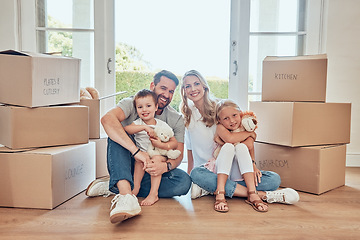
column 67, row 28
column 179, row 36
column 87, row 30
column 262, row 28
column 277, row 28
column 258, row 28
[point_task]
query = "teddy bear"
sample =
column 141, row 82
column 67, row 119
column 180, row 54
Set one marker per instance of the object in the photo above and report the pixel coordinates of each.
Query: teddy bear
column 248, row 123
column 164, row 133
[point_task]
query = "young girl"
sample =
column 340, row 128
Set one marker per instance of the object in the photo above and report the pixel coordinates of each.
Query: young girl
column 234, row 160
column 145, row 102
column 218, row 144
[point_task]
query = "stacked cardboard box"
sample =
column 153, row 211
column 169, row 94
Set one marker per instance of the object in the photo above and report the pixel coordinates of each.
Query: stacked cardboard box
column 101, row 156
column 95, row 135
column 47, row 157
column 300, row 136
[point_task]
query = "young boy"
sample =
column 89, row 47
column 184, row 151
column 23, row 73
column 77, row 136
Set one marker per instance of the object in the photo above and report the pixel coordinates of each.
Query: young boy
column 145, row 102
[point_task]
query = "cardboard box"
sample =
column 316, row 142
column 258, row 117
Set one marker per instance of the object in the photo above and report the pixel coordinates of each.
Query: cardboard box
column 301, row 123
column 46, row 177
column 314, row 169
column 34, row 80
column 101, row 156
column 301, row 78
column 23, row 127
column 94, row 114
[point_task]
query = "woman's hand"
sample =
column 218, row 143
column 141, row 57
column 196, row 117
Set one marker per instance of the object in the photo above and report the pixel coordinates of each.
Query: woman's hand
column 257, row 175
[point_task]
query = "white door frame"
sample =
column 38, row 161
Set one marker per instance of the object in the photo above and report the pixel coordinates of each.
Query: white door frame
column 239, row 52
column 104, row 25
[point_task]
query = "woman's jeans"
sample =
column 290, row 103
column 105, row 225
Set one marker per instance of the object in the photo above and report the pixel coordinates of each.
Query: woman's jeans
column 207, row 180
column 121, row 167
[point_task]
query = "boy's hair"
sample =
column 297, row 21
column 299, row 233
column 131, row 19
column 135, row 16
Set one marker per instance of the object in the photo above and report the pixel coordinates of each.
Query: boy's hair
column 167, row 74
column 145, row 93
column 223, row 104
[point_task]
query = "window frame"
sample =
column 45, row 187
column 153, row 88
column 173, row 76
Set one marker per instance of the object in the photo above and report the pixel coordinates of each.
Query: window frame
column 104, row 42
column 240, row 33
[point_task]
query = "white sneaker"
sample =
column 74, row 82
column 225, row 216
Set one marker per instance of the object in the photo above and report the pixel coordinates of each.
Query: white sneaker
column 99, row 187
column 286, row 195
column 124, row 207
column 197, row 191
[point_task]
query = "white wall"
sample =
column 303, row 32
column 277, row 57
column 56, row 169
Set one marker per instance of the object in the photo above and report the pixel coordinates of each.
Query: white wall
column 8, row 25
column 13, row 34
column 342, row 46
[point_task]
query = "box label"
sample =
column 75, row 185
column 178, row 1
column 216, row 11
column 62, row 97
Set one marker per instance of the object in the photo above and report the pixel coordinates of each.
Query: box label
column 285, row 76
column 51, row 86
column 271, row 164
column 74, row 172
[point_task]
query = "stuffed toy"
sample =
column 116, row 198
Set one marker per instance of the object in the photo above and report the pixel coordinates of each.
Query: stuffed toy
column 89, row 93
column 248, row 123
column 164, row 133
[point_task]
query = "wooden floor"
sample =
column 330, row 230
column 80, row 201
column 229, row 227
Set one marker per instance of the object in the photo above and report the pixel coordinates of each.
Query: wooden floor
column 333, row 215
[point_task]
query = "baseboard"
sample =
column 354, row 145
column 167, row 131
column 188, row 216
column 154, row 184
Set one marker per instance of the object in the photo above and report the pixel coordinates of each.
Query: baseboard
column 353, row 159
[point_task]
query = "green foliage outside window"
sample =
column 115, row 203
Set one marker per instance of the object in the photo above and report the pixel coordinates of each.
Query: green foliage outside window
column 132, row 71
column 61, row 42
column 134, row 81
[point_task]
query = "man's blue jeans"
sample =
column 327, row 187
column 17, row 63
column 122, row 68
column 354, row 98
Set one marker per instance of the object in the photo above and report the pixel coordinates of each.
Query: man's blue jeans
column 121, row 167
column 207, row 180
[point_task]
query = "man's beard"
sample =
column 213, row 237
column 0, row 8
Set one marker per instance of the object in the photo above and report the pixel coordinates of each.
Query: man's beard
column 161, row 104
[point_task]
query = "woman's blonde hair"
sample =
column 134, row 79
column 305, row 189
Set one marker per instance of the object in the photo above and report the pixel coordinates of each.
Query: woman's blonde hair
column 208, row 109
column 223, row 104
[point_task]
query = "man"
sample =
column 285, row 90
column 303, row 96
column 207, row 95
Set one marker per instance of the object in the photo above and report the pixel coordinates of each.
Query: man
column 122, row 151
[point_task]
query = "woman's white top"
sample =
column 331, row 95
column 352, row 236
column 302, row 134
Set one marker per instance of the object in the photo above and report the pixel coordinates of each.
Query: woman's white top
column 199, row 138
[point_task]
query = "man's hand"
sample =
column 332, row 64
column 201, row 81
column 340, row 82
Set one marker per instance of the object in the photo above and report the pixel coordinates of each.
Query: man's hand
column 142, row 157
column 157, row 166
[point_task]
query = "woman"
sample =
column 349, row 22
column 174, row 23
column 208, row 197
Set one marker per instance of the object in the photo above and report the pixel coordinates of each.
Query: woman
column 198, row 108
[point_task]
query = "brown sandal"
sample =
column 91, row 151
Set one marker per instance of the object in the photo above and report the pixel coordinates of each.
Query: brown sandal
column 256, row 203
column 217, row 202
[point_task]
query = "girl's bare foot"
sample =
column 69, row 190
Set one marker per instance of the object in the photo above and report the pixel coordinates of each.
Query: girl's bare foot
column 149, row 200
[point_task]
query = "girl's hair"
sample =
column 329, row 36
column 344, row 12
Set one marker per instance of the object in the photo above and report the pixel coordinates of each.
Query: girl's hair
column 145, row 93
column 208, row 109
column 223, row 104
